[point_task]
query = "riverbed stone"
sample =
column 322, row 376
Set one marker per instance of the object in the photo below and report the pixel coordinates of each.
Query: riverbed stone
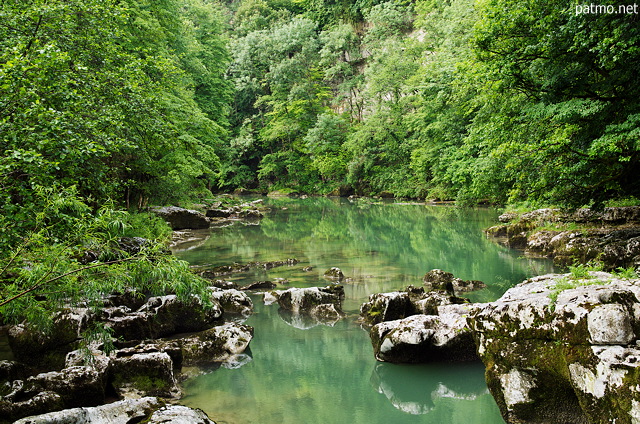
column 178, row 414
column 424, row 338
column 181, row 218
column 259, row 285
column 562, row 349
column 401, row 304
column 76, row 385
column 334, row 273
column 163, row 316
column 39, row 403
column 145, row 374
column 301, row 300
column 217, row 344
column 120, row 412
column 49, row 349
column 232, row 301
column 386, row 307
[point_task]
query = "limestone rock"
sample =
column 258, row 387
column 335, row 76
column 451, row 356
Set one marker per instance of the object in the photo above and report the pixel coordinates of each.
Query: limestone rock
column 163, row 316
column 178, row 414
column 569, row 356
column 259, row 285
column 30, row 345
column 334, row 273
column 437, row 279
column 401, row 304
column 424, row 338
column 233, row 301
column 145, row 374
column 217, row 344
column 39, row 403
column 76, row 385
column 301, row 300
column 181, row 219
column 121, row 412
column 386, row 307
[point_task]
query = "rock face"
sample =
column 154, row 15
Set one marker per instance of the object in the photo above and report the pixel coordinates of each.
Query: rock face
column 219, row 271
column 182, row 219
column 562, row 350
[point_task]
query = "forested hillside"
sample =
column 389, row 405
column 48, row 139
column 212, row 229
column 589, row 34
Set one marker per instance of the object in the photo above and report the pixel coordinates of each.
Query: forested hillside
column 496, row 100
column 113, row 105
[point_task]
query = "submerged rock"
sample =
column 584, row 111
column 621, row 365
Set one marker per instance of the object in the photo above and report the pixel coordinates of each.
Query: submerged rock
column 559, row 349
column 260, row 285
column 334, row 273
column 218, row 271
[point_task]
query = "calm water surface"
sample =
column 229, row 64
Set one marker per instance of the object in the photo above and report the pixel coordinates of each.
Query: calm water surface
column 319, row 374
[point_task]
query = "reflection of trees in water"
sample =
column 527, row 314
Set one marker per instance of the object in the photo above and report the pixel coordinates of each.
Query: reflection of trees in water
column 418, row 389
column 399, row 242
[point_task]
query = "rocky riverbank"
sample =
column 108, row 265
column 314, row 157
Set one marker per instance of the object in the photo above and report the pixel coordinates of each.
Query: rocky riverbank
column 151, row 340
column 610, row 236
column 558, row 348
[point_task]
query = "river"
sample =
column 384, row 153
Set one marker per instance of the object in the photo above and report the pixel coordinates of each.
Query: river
column 322, row 374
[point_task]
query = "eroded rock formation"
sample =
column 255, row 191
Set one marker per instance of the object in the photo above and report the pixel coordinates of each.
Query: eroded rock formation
column 562, row 349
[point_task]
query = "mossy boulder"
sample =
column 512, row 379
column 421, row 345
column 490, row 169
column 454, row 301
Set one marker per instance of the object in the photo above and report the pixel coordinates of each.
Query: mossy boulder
column 182, row 219
column 48, row 349
column 145, row 374
column 424, row 338
column 401, row 304
column 302, row 300
column 558, row 348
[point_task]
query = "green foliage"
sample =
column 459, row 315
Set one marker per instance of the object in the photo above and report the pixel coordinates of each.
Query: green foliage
column 506, row 101
column 72, row 257
column 94, row 91
column 626, row 273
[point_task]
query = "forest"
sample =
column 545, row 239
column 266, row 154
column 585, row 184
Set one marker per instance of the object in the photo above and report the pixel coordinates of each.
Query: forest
column 110, row 106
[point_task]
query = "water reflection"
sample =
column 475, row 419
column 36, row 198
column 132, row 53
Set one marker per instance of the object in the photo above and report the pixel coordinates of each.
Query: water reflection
column 302, row 372
column 415, row 389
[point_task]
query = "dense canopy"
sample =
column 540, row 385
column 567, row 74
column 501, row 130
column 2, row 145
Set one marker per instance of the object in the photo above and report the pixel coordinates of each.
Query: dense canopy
column 114, row 105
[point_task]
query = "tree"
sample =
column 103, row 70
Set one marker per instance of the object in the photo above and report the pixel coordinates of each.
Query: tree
column 578, row 71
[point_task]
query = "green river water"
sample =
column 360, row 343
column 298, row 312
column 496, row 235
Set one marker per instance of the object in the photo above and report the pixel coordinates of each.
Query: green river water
column 321, row 374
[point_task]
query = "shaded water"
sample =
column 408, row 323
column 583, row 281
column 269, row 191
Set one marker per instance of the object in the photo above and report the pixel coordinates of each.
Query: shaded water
column 328, row 374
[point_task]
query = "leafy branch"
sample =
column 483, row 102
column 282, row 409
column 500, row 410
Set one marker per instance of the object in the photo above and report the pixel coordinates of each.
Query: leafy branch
column 42, row 282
